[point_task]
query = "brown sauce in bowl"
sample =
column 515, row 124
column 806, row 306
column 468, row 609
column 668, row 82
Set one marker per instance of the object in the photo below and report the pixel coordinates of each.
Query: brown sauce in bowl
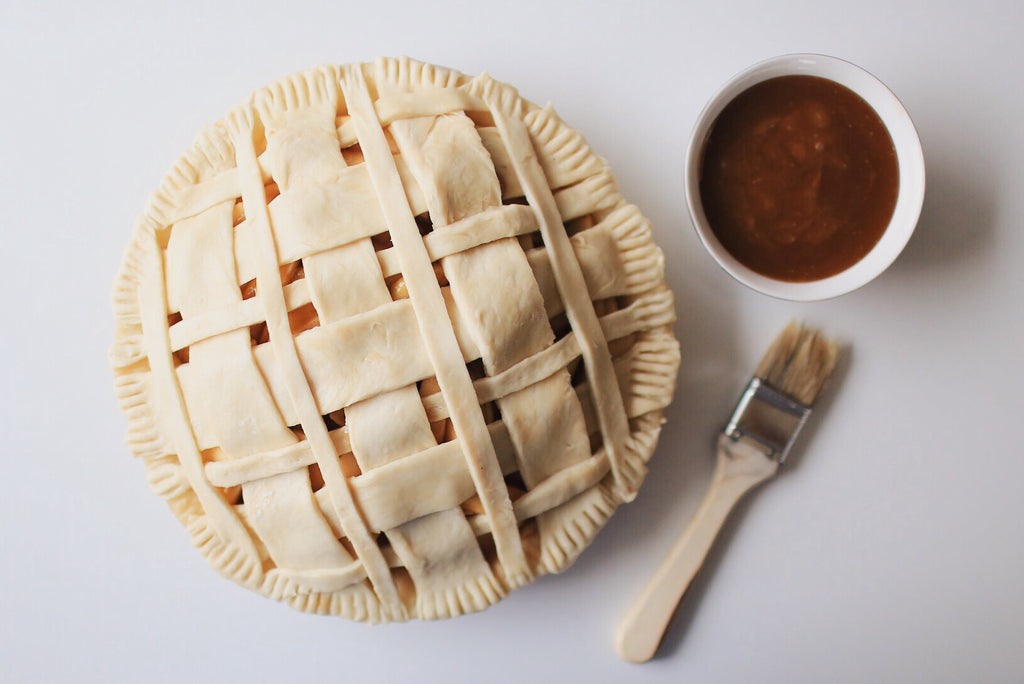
column 799, row 178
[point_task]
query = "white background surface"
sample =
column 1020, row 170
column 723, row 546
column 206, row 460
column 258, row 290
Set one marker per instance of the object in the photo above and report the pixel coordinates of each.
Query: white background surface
column 890, row 550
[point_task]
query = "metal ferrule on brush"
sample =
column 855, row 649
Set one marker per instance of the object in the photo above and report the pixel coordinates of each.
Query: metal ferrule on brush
column 767, row 417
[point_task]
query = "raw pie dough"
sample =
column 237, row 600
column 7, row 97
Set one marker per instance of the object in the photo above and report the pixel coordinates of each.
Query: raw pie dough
column 390, row 343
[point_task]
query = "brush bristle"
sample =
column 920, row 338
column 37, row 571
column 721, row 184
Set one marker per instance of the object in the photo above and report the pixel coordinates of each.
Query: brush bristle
column 799, row 362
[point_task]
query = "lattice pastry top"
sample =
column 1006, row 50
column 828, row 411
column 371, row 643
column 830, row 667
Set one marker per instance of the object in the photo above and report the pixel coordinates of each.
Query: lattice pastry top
column 390, row 342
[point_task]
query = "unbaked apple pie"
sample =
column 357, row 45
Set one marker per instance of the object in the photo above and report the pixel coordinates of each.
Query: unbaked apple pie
column 390, row 342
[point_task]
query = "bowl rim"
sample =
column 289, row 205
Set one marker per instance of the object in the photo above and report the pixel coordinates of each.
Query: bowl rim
column 909, row 155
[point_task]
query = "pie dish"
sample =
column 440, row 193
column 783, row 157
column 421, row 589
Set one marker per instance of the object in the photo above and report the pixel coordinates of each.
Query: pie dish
column 390, row 343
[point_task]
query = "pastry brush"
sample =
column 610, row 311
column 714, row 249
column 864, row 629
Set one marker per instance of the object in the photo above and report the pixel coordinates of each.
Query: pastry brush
column 756, row 440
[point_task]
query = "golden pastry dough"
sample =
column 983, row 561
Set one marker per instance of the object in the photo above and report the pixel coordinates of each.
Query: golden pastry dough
column 390, row 343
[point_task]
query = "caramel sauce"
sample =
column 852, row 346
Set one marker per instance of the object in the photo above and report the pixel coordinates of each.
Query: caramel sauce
column 799, row 178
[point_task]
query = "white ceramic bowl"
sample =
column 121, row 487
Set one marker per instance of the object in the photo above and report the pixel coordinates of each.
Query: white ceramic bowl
column 908, row 156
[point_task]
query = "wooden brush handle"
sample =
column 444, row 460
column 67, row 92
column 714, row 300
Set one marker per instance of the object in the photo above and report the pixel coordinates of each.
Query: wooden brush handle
column 740, row 466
